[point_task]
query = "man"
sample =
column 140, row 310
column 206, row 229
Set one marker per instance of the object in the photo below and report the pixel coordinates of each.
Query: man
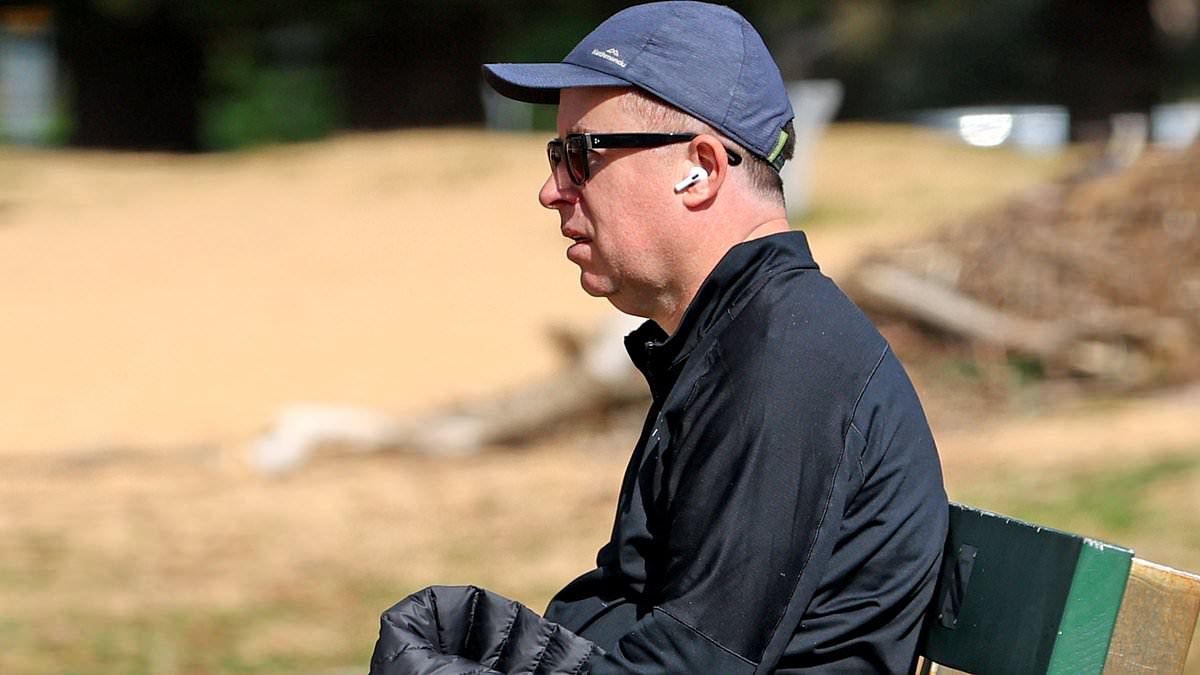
column 783, row 510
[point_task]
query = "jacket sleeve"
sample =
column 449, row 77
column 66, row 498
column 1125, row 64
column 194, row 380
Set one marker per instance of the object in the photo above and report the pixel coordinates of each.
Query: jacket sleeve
column 750, row 502
column 464, row 630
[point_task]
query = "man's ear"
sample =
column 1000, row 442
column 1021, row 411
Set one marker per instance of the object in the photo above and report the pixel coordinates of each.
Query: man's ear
column 706, row 152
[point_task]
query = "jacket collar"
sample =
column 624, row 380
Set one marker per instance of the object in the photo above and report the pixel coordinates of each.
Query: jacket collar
column 742, row 270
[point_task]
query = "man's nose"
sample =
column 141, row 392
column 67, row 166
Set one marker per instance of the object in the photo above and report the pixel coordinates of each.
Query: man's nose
column 557, row 191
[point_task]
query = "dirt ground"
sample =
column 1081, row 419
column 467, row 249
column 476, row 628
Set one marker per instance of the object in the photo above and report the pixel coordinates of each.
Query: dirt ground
column 159, row 310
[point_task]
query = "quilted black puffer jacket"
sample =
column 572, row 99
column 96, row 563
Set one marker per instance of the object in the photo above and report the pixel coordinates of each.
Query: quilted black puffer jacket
column 464, row 630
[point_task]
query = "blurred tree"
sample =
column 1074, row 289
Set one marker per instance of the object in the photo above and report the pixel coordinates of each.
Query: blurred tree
column 269, row 86
column 1097, row 57
column 1108, row 59
column 136, row 74
column 148, row 73
column 411, row 63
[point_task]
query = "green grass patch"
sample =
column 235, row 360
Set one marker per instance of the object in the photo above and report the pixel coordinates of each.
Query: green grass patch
column 1119, row 503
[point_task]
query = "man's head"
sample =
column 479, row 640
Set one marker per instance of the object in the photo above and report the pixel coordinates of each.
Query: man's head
column 655, row 94
column 704, row 60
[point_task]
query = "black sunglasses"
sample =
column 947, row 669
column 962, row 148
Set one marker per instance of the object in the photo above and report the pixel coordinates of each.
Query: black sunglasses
column 575, row 149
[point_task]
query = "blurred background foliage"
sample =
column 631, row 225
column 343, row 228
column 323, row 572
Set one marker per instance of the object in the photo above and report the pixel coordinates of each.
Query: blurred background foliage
column 188, row 75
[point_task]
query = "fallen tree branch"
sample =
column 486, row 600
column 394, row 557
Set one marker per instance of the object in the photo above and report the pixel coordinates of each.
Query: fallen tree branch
column 895, row 290
column 600, row 377
column 1119, row 344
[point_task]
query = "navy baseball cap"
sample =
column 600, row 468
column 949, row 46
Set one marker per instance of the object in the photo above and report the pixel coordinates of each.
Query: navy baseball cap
column 704, row 59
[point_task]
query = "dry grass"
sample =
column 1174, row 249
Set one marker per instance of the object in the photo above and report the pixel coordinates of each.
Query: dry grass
column 158, row 309
column 191, row 567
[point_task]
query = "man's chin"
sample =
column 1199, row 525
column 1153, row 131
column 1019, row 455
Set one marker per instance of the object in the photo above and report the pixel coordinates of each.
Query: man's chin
column 596, row 287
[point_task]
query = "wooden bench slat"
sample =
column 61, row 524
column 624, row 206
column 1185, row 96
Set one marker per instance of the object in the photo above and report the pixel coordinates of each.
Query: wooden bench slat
column 1156, row 622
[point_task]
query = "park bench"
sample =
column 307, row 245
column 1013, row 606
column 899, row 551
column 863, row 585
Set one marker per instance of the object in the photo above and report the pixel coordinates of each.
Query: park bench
column 1022, row 599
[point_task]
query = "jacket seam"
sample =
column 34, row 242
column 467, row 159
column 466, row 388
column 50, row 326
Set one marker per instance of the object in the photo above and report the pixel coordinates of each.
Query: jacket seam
column 706, row 636
column 858, row 399
column 867, row 383
column 812, row 547
column 853, row 427
column 402, row 651
column 471, row 615
column 437, row 620
column 549, row 637
column 584, row 661
column 507, row 633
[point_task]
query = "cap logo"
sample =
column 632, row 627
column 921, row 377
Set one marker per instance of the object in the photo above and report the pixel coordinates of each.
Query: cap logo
column 610, row 55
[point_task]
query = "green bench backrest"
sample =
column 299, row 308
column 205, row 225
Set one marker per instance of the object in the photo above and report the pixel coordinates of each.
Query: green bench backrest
column 1015, row 597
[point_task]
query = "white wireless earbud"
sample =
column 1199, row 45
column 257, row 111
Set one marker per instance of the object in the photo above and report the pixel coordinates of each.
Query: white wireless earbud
column 694, row 176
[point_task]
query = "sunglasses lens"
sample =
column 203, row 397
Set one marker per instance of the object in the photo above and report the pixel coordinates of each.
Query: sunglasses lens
column 556, row 149
column 577, row 165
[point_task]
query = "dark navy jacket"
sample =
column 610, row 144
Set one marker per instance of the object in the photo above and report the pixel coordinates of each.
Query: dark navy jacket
column 783, row 510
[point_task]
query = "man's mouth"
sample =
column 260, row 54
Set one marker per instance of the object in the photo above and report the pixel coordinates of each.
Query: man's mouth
column 579, row 252
column 576, row 236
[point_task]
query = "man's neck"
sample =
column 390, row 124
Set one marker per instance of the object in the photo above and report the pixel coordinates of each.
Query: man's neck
column 673, row 310
column 671, row 321
column 773, row 226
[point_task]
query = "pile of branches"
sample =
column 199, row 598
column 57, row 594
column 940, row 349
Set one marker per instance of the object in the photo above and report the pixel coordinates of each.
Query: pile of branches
column 1096, row 275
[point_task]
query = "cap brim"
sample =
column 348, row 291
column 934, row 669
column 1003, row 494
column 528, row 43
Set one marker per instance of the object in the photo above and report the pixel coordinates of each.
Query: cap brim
column 541, row 82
